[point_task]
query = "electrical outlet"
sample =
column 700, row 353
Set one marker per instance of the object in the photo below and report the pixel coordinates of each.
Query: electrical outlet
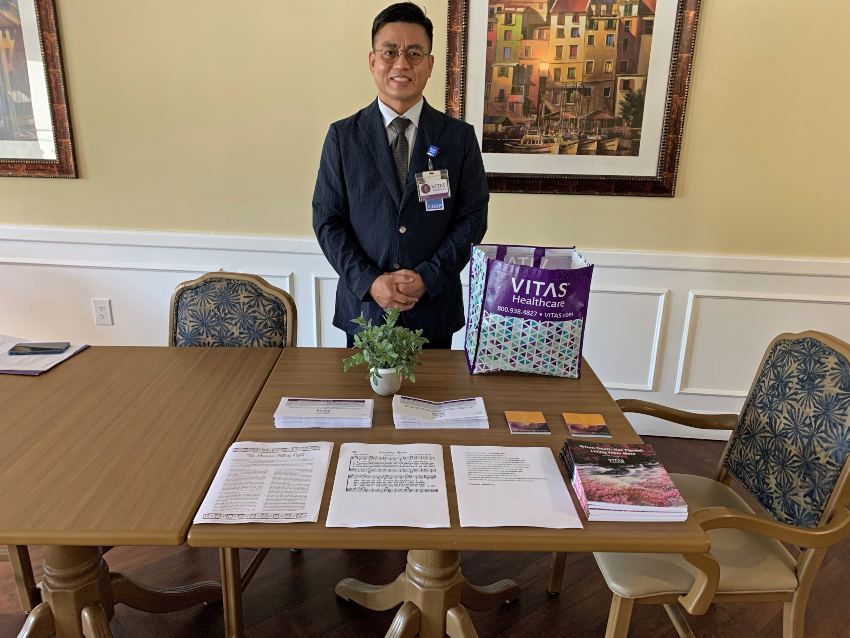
column 102, row 312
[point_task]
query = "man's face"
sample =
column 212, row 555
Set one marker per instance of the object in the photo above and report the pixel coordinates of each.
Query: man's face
column 400, row 83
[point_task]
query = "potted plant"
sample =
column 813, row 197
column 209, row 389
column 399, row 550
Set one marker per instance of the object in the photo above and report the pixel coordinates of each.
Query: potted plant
column 392, row 352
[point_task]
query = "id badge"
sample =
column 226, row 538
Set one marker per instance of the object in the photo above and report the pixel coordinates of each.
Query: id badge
column 431, row 185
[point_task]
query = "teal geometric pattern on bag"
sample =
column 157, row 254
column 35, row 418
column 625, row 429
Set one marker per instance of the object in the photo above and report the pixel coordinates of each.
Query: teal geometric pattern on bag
column 525, row 345
column 478, row 277
column 793, row 437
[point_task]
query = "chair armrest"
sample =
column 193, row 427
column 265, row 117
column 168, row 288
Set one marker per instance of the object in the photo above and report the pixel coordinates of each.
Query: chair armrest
column 698, row 599
column 726, row 517
column 692, row 419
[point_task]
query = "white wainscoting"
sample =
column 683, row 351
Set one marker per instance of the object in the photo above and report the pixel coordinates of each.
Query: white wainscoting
column 683, row 330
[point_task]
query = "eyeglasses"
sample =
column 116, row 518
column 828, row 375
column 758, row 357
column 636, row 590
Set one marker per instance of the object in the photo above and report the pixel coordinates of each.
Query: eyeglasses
column 414, row 56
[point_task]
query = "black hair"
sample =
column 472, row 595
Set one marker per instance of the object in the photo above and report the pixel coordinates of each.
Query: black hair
column 404, row 12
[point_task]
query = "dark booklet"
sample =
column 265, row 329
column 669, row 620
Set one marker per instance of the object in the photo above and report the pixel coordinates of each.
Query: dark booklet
column 622, row 482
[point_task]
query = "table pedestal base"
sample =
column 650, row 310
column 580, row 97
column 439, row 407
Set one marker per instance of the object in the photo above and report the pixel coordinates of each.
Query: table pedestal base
column 80, row 595
column 433, row 594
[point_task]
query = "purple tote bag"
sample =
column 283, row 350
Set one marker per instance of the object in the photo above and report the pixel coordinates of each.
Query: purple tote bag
column 527, row 309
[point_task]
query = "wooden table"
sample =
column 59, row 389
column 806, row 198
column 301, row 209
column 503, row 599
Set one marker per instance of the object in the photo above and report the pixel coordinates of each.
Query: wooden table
column 433, row 592
column 116, row 446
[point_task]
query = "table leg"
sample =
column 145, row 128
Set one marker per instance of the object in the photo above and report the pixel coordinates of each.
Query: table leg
column 490, row 596
column 80, row 595
column 433, row 591
column 28, row 593
column 160, row 600
column 39, row 623
column 74, row 578
column 231, row 589
column 405, row 623
column 94, row 621
column 374, row 597
column 459, row 624
column 556, row 572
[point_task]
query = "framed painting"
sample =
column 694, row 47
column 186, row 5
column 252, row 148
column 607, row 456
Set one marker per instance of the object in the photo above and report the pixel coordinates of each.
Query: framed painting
column 583, row 97
column 35, row 125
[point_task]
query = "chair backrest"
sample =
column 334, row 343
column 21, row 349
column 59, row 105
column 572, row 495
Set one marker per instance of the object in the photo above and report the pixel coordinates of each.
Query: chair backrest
column 225, row 309
column 792, row 444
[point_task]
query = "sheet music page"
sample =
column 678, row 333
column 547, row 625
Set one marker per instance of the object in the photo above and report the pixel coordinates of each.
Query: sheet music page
column 389, row 485
column 511, row 486
column 268, row 483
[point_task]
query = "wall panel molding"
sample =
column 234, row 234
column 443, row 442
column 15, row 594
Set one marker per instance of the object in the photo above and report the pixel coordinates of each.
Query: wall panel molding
column 686, row 359
column 54, row 272
column 652, row 367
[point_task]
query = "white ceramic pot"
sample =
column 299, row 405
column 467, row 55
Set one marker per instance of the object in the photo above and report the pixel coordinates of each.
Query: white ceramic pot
column 389, row 381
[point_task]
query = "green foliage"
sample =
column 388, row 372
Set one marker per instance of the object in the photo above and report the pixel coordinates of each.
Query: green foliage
column 631, row 107
column 386, row 346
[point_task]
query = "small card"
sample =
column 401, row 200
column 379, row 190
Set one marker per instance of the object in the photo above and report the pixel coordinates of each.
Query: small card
column 586, row 424
column 434, row 204
column 527, row 422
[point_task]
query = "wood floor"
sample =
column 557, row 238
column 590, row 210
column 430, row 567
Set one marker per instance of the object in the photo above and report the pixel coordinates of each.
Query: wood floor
column 292, row 594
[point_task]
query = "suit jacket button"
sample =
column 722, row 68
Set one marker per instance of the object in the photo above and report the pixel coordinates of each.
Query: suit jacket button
column 396, row 266
column 402, row 229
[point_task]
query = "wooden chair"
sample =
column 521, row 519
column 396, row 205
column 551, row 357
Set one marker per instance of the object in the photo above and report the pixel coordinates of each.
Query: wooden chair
column 790, row 451
column 219, row 309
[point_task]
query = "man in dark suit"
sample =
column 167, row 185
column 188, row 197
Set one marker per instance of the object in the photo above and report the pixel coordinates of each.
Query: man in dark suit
column 387, row 249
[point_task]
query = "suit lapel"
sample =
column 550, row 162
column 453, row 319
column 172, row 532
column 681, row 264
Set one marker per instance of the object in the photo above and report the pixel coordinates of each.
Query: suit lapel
column 374, row 137
column 430, row 127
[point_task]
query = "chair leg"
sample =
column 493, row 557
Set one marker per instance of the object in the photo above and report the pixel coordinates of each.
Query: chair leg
column 253, row 566
column 680, row 623
column 619, row 617
column 794, row 611
column 556, row 572
column 793, row 620
column 28, row 593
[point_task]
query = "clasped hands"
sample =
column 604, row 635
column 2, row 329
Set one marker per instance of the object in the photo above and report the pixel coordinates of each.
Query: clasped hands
column 400, row 289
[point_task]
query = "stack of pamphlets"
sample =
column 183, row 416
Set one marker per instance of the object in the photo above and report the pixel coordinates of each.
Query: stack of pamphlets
column 622, row 482
column 323, row 413
column 411, row 413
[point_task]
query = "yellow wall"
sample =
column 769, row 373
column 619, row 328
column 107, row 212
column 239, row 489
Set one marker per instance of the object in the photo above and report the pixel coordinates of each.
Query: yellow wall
column 209, row 116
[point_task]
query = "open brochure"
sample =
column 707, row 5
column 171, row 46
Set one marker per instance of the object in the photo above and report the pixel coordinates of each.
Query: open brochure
column 410, row 413
column 31, row 364
column 268, row 483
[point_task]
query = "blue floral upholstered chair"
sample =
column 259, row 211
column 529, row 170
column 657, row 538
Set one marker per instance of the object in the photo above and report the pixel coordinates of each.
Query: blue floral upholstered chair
column 789, row 451
column 225, row 309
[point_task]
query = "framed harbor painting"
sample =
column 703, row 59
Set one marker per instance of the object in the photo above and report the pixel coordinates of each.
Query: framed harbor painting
column 35, row 127
column 582, row 97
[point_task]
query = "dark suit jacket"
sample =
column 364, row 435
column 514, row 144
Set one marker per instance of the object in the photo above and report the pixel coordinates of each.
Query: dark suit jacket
column 358, row 213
